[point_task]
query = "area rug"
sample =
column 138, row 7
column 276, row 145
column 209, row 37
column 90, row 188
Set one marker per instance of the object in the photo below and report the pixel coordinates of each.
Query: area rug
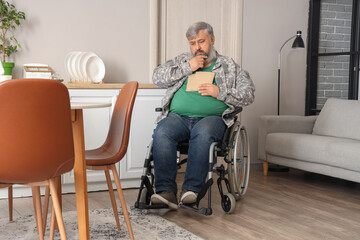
column 146, row 225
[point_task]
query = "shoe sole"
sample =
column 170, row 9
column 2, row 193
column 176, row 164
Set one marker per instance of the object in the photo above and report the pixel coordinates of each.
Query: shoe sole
column 171, row 205
column 188, row 198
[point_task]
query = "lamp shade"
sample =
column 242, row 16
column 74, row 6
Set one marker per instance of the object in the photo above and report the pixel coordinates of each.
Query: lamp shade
column 298, row 42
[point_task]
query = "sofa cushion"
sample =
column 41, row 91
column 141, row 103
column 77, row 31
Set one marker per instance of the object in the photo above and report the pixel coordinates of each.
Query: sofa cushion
column 332, row 151
column 339, row 118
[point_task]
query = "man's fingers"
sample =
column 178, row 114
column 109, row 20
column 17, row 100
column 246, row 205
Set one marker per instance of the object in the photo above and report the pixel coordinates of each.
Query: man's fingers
column 197, row 62
column 201, row 56
column 205, row 85
column 208, row 89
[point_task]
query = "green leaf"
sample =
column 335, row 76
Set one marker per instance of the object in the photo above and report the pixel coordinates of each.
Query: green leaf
column 9, row 19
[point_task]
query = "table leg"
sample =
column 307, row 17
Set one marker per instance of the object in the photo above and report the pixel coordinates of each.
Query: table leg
column 80, row 175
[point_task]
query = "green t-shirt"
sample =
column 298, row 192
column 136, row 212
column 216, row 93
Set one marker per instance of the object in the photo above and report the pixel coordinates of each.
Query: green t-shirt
column 193, row 104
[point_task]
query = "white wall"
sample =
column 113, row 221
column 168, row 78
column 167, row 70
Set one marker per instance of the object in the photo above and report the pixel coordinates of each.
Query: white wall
column 266, row 26
column 116, row 30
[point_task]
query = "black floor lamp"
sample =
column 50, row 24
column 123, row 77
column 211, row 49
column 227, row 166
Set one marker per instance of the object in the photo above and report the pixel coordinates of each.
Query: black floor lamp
column 298, row 43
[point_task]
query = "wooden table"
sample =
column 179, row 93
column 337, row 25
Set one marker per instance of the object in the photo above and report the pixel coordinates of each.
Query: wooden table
column 80, row 166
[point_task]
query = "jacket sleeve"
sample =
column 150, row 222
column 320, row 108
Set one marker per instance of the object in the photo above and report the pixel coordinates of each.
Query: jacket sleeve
column 171, row 72
column 241, row 92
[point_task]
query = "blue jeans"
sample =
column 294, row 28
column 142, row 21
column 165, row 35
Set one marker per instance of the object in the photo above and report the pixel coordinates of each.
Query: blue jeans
column 200, row 132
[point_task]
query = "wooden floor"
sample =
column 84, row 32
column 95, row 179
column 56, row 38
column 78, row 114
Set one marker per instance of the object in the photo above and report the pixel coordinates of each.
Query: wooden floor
column 290, row 205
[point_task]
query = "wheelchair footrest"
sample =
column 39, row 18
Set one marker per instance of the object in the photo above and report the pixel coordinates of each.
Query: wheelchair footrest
column 203, row 211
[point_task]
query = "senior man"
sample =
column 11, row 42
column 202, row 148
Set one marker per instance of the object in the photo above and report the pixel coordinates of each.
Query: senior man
column 197, row 116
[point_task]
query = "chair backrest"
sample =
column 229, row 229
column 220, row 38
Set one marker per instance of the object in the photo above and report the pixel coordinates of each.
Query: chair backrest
column 119, row 131
column 36, row 141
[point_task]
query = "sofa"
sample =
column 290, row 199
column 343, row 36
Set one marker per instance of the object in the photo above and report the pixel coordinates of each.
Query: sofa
column 328, row 143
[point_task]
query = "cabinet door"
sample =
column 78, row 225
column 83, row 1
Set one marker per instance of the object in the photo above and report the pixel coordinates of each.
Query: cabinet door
column 96, row 126
column 142, row 126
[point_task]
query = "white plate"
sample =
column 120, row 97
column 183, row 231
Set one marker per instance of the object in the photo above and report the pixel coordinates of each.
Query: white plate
column 77, row 66
column 73, row 61
column 68, row 58
column 67, row 63
column 95, row 69
column 84, row 59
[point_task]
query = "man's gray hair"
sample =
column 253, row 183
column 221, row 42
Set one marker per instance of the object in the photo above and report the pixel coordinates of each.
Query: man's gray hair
column 194, row 29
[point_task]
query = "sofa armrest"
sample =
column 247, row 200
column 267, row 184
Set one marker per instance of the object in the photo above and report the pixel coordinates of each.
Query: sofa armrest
column 284, row 123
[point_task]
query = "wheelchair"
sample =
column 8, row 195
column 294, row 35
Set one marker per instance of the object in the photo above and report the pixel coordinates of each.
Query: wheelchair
column 233, row 172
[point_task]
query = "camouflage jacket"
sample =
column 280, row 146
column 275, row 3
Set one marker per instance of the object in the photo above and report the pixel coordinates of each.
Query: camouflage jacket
column 236, row 87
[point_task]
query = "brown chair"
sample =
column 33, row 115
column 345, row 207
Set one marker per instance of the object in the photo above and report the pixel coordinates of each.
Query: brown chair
column 115, row 147
column 10, row 199
column 36, row 140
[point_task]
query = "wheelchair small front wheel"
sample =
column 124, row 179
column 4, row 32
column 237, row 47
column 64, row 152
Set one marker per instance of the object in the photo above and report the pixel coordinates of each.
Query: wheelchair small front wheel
column 228, row 203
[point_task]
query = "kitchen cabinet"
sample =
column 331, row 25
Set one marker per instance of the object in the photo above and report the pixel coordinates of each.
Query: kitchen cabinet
column 142, row 126
column 96, row 125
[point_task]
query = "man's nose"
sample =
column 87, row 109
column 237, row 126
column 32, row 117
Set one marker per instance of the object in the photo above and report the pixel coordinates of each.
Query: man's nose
column 197, row 46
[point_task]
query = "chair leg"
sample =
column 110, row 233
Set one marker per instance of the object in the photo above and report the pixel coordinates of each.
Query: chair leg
column 265, row 168
column 10, row 198
column 37, row 209
column 122, row 200
column 112, row 197
column 52, row 223
column 46, row 206
column 57, row 208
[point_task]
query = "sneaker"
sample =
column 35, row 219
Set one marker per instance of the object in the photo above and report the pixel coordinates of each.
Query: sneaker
column 165, row 197
column 188, row 197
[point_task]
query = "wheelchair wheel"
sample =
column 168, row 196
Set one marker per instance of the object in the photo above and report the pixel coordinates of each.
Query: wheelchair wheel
column 228, row 203
column 239, row 161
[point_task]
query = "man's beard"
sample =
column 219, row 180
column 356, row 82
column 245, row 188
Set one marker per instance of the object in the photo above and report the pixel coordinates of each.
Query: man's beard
column 210, row 56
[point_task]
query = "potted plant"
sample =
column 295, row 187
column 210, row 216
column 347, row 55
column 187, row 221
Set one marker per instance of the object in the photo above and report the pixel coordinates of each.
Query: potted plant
column 9, row 19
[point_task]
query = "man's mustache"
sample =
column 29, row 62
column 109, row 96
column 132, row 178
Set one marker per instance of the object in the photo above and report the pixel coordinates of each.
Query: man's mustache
column 201, row 52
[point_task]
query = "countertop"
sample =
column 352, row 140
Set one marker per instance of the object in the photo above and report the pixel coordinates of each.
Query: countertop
column 106, row 85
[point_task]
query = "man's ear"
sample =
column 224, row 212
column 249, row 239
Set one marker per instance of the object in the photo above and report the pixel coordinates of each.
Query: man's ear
column 212, row 39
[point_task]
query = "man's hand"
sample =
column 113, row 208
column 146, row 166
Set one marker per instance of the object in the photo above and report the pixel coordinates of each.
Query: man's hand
column 197, row 62
column 208, row 89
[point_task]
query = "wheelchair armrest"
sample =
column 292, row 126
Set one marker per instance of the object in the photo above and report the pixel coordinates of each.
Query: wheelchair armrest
column 234, row 113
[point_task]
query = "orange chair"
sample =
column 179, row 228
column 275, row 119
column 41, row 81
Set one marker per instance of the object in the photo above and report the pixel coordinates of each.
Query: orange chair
column 10, row 199
column 36, row 140
column 115, row 147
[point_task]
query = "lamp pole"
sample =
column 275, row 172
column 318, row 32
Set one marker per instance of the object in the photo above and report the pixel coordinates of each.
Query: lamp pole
column 298, row 43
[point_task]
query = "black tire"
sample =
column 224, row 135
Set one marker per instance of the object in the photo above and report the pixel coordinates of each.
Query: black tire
column 228, row 203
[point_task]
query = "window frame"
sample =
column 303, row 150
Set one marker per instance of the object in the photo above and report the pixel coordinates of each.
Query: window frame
column 313, row 55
